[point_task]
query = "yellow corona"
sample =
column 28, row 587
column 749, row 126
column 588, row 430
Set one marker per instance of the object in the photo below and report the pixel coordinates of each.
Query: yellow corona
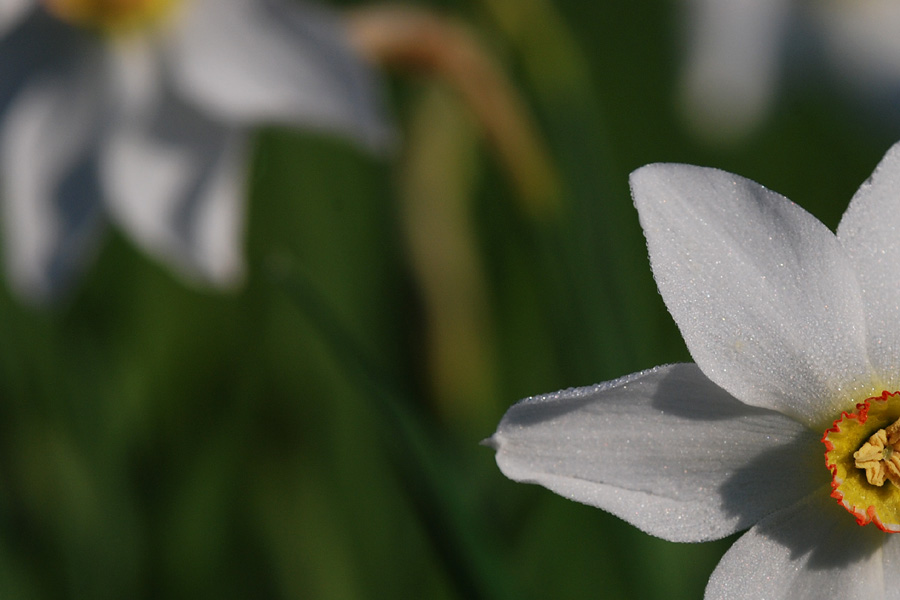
column 111, row 16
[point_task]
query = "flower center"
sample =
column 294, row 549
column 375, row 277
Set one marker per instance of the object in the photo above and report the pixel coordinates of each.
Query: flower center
column 110, row 16
column 863, row 453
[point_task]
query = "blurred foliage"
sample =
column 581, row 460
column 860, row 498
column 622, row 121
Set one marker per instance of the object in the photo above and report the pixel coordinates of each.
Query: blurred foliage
column 316, row 434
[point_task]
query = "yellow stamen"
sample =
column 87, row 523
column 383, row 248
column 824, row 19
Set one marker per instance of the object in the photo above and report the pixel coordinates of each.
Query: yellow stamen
column 877, row 456
column 110, row 16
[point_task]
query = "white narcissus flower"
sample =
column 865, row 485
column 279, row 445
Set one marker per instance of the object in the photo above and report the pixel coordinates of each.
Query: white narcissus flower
column 796, row 336
column 137, row 111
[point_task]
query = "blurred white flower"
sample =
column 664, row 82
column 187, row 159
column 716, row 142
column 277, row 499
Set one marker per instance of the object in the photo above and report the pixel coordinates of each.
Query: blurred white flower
column 737, row 51
column 796, row 336
column 862, row 44
column 136, row 111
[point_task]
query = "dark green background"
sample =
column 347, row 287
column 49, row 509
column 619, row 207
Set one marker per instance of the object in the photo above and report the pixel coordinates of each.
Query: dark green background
column 290, row 441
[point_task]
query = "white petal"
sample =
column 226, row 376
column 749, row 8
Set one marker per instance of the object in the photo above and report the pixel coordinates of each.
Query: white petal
column 270, row 60
column 666, row 450
column 175, row 183
column 812, row 550
column 764, row 295
column 861, row 42
column 869, row 233
column 51, row 204
column 37, row 44
column 890, row 561
column 12, row 12
column 136, row 78
column 732, row 62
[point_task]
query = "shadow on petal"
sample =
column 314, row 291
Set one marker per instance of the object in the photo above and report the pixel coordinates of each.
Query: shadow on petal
column 793, row 471
column 812, row 522
column 816, row 525
column 80, row 221
column 789, row 471
column 38, row 44
column 800, row 462
column 176, row 184
column 203, row 141
column 820, row 528
column 806, row 550
column 666, row 449
column 679, row 393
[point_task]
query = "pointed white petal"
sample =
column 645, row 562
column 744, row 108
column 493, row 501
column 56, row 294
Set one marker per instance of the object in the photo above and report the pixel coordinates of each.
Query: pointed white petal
column 764, row 295
column 732, row 63
column 666, row 450
column 869, row 233
column 813, row 549
column 175, row 183
column 271, row 60
column 51, row 203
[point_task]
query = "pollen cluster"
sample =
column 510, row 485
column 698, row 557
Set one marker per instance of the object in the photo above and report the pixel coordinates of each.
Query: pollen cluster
column 863, row 453
column 110, row 16
column 879, row 457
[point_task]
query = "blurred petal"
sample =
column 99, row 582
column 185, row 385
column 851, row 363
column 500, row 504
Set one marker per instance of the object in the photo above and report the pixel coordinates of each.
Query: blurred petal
column 868, row 232
column 175, row 183
column 814, row 549
column 39, row 43
column 270, row 60
column 51, row 207
column 666, row 450
column 765, row 296
column 12, row 12
column 862, row 42
column 732, row 62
